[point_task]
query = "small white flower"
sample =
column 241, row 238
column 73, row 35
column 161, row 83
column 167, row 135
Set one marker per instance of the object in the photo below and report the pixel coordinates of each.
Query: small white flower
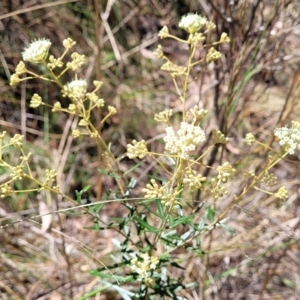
column 17, row 140
column 77, row 61
column 213, row 55
column 56, row 106
column 36, row 101
column 20, row 69
column 192, row 23
column 143, row 265
column 97, row 84
column 37, row 51
column 83, row 123
column 185, row 140
column 76, row 133
column 68, row 43
column 224, row 38
column 112, row 110
column 163, row 116
column 75, row 89
column 282, row 194
column 137, row 149
column 164, row 32
column 250, row 139
column 289, row 138
column 14, row 79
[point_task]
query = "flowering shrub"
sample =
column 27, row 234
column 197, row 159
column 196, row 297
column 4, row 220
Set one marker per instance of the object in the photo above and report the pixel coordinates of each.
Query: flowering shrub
column 166, row 217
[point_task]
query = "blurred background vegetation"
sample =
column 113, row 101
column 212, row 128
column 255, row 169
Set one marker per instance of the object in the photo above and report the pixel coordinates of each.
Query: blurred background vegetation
column 253, row 88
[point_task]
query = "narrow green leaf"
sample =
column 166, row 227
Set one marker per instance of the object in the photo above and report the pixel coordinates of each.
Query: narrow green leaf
column 230, row 230
column 145, row 225
column 99, row 207
column 171, row 221
column 149, row 208
column 168, row 242
column 182, row 220
column 160, row 209
column 133, row 168
column 198, row 252
column 79, row 194
column 78, row 197
column 72, row 212
column 85, row 189
column 93, row 293
column 288, row 282
column 210, row 213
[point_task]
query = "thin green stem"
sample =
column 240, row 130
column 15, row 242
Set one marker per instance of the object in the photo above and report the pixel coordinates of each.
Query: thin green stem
column 185, row 85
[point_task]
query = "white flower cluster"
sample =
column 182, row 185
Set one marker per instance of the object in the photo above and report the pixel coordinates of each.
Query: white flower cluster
column 76, row 89
column 37, row 51
column 289, row 138
column 185, row 140
column 36, row 101
column 192, row 23
column 143, row 267
column 17, row 140
column 282, row 194
column 5, row 190
column 137, row 149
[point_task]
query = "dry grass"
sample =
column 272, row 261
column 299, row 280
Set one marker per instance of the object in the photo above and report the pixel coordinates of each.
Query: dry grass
column 253, row 88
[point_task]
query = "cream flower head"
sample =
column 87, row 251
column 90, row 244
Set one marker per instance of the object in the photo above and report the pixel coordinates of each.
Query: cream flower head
column 185, row 140
column 192, row 23
column 289, row 138
column 37, row 51
column 75, row 89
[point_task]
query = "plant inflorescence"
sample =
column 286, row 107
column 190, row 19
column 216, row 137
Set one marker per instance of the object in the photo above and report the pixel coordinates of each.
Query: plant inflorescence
column 166, row 218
